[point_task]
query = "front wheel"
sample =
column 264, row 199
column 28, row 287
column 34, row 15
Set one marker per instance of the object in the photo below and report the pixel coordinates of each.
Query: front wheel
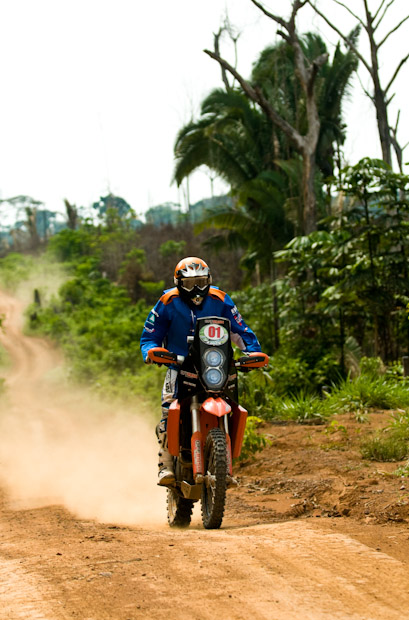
column 215, row 484
column 179, row 509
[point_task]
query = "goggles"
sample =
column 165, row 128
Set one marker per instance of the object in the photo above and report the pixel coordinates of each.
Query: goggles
column 188, row 284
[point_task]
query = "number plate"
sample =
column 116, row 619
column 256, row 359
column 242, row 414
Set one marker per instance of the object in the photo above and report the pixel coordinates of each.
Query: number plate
column 214, row 334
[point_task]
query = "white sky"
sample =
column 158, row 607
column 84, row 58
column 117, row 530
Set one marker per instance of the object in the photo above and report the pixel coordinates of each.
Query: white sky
column 93, row 92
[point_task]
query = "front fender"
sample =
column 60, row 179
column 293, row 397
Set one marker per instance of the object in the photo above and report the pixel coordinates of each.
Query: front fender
column 216, row 406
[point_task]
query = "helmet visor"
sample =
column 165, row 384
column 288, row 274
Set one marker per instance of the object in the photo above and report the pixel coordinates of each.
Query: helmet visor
column 188, row 284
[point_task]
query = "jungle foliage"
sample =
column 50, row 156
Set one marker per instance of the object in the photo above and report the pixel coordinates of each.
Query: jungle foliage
column 340, row 294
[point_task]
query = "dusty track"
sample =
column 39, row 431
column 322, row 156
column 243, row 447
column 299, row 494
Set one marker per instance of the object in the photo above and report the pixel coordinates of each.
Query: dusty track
column 57, row 563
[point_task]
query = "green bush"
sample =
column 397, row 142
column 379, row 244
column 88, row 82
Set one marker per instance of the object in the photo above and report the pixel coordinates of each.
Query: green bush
column 98, row 329
column 372, row 367
column 15, row 268
column 70, row 246
column 253, row 440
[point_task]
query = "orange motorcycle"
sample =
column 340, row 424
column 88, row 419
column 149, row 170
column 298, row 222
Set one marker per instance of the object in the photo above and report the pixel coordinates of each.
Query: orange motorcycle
column 206, row 423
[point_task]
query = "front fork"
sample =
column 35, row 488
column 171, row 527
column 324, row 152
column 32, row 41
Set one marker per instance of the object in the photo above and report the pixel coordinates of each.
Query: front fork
column 197, row 442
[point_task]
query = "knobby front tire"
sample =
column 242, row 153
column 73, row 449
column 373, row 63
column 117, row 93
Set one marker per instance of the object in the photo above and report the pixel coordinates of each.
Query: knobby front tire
column 214, row 490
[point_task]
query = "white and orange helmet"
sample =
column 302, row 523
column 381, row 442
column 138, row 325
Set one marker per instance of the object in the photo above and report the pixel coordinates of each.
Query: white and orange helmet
column 193, row 279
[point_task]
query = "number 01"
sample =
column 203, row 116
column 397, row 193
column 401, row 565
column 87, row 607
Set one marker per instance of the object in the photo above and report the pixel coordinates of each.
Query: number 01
column 214, row 332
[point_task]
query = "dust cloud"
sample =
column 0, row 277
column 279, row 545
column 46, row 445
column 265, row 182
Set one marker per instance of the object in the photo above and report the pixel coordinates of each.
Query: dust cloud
column 61, row 445
column 99, row 464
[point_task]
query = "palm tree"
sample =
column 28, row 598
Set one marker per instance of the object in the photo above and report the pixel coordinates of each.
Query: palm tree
column 231, row 138
column 237, row 140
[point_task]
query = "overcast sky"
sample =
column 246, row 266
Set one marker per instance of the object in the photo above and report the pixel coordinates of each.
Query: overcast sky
column 93, row 92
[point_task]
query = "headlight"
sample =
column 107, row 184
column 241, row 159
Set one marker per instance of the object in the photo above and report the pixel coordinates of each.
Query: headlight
column 213, row 376
column 214, row 357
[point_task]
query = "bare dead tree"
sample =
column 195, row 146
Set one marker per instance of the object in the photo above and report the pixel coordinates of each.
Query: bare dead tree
column 29, row 207
column 72, row 214
column 31, row 222
column 380, row 96
column 306, row 73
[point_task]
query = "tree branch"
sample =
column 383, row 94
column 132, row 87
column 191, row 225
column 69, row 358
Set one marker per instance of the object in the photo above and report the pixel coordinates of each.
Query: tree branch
column 257, row 96
column 297, row 5
column 276, row 18
column 367, row 93
column 397, row 147
column 383, row 14
column 351, row 12
column 369, row 18
column 390, row 99
column 379, row 9
column 217, row 51
column 393, row 30
column 284, row 36
column 398, row 68
column 343, row 37
column 305, row 75
column 316, row 66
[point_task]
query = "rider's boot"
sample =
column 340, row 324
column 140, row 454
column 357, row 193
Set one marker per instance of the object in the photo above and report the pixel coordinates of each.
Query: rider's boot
column 166, row 473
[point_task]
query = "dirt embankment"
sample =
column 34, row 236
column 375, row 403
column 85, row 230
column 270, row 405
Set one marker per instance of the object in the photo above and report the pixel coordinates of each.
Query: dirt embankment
column 312, row 532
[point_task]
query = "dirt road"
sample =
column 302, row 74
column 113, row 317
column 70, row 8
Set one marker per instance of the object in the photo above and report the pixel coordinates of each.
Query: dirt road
column 82, row 531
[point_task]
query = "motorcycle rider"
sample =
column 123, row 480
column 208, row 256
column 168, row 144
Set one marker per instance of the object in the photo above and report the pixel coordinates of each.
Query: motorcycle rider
column 172, row 320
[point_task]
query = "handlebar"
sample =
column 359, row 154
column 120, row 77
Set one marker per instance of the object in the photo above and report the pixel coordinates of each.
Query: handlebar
column 160, row 355
column 252, row 360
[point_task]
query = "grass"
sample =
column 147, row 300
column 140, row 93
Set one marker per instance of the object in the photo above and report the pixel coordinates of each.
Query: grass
column 357, row 396
column 368, row 392
column 373, row 389
column 386, row 446
column 302, row 407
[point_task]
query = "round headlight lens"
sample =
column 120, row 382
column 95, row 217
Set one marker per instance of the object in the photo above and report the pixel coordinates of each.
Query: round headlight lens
column 213, row 357
column 213, row 377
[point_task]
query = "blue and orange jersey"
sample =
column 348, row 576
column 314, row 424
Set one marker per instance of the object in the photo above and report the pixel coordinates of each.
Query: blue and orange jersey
column 171, row 321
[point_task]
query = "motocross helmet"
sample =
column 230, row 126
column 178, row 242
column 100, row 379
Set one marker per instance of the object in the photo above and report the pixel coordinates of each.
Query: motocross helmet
column 193, row 279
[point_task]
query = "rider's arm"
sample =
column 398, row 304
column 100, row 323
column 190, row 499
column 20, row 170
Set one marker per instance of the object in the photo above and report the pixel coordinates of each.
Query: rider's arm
column 155, row 329
column 241, row 335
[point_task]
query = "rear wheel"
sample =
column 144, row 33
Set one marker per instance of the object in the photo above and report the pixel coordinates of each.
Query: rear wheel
column 215, row 484
column 179, row 509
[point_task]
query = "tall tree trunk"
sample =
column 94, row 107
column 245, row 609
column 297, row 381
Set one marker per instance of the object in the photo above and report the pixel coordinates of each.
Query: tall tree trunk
column 379, row 96
column 310, row 211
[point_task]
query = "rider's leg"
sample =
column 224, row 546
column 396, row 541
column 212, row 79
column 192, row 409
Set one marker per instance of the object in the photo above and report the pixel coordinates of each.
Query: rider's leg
column 165, row 462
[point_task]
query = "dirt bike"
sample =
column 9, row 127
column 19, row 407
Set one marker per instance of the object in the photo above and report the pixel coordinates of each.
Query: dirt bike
column 205, row 424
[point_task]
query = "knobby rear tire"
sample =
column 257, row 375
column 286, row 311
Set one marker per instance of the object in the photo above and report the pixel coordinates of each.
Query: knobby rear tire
column 179, row 509
column 215, row 465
